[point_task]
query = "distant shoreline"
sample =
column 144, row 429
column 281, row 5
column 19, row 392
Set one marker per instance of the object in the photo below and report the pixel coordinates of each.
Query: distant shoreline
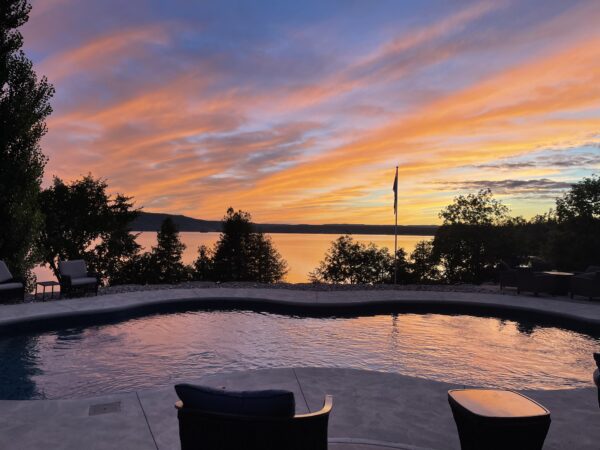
column 152, row 221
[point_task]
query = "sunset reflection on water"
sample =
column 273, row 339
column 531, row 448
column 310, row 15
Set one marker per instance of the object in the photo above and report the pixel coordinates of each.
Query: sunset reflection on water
column 163, row 349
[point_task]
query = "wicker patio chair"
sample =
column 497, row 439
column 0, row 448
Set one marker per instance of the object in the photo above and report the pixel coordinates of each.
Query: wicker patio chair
column 11, row 288
column 586, row 284
column 530, row 281
column 507, row 276
column 211, row 419
column 74, row 276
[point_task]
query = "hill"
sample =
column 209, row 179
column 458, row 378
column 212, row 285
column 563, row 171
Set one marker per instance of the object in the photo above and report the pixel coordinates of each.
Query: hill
column 151, row 222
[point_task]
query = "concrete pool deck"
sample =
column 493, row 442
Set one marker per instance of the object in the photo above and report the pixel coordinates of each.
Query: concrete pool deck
column 372, row 411
column 562, row 310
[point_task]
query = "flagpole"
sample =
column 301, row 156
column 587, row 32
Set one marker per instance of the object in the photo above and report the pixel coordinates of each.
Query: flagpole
column 396, row 230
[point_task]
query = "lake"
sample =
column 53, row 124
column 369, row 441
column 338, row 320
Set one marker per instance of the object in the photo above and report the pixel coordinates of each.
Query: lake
column 303, row 252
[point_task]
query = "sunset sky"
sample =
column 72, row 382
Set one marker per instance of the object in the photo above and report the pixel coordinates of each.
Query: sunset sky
column 298, row 111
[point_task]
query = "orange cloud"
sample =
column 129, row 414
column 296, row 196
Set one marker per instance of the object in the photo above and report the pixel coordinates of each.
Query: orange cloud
column 197, row 140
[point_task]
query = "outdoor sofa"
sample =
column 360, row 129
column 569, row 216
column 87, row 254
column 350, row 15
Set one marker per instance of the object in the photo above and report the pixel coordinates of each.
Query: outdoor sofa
column 11, row 288
column 586, row 284
column 250, row 420
column 74, row 276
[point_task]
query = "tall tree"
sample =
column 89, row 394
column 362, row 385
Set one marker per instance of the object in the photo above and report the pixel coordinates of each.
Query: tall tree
column 473, row 238
column 574, row 243
column 244, row 254
column 166, row 256
column 203, row 264
column 24, row 106
column 118, row 247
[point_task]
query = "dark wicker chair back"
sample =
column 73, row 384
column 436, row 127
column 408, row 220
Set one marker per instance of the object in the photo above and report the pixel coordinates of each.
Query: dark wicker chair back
column 201, row 430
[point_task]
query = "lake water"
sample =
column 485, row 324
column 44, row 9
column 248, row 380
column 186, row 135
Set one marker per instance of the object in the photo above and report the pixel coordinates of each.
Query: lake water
column 303, row 252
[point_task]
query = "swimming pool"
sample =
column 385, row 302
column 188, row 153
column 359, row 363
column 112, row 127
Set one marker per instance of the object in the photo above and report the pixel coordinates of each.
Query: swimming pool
column 160, row 350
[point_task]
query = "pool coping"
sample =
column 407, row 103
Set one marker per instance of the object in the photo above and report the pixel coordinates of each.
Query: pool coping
column 553, row 310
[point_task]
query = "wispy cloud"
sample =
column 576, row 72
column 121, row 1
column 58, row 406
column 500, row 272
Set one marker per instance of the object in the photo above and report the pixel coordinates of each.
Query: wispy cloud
column 529, row 187
column 301, row 116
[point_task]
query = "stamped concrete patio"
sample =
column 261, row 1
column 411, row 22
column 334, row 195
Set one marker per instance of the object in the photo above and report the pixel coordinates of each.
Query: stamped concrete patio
column 372, row 410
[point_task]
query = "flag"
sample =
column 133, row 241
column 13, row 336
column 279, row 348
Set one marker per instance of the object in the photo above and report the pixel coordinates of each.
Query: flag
column 395, row 189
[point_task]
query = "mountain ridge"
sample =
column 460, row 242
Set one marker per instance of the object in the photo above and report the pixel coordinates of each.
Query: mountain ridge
column 147, row 221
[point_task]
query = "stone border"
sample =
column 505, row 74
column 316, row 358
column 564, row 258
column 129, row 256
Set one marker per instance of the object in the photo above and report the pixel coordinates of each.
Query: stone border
column 560, row 311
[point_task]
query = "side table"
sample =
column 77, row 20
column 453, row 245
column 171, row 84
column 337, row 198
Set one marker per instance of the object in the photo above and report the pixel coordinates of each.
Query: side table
column 498, row 420
column 44, row 285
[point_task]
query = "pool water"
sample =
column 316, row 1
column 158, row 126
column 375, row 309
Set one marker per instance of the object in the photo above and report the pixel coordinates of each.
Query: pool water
column 160, row 350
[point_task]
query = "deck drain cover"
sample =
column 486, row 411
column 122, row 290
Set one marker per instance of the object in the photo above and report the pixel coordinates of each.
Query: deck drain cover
column 105, row 408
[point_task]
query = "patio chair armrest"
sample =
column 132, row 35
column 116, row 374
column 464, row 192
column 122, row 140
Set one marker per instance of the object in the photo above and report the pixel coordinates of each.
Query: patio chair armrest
column 326, row 409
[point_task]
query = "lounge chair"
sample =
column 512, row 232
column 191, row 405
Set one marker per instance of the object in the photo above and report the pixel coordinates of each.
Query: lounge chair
column 11, row 288
column 586, row 284
column 597, row 375
column 74, row 276
column 530, row 281
column 260, row 420
column 507, row 276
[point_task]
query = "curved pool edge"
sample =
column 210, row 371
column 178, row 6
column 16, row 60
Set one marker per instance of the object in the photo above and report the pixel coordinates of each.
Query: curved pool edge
column 371, row 410
column 556, row 311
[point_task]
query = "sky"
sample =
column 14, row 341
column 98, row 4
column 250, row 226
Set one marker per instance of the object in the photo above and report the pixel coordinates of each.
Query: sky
column 298, row 112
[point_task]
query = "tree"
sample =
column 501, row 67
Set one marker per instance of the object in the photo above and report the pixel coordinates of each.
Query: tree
column 475, row 209
column 118, row 247
column 24, row 106
column 473, row 238
column 402, row 272
column 166, row 256
column 352, row 262
column 231, row 251
column 265, row 263
column 81, row 220
column 574, row 240
column 203, row 266
column 340, row 262
column 582, row 202
column 244, row 254
column 423, row 264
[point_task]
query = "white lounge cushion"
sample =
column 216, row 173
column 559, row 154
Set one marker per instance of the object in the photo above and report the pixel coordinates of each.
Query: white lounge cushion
column 5, row 274
column 74, row 269
column 82, row 281
column 10, row 286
